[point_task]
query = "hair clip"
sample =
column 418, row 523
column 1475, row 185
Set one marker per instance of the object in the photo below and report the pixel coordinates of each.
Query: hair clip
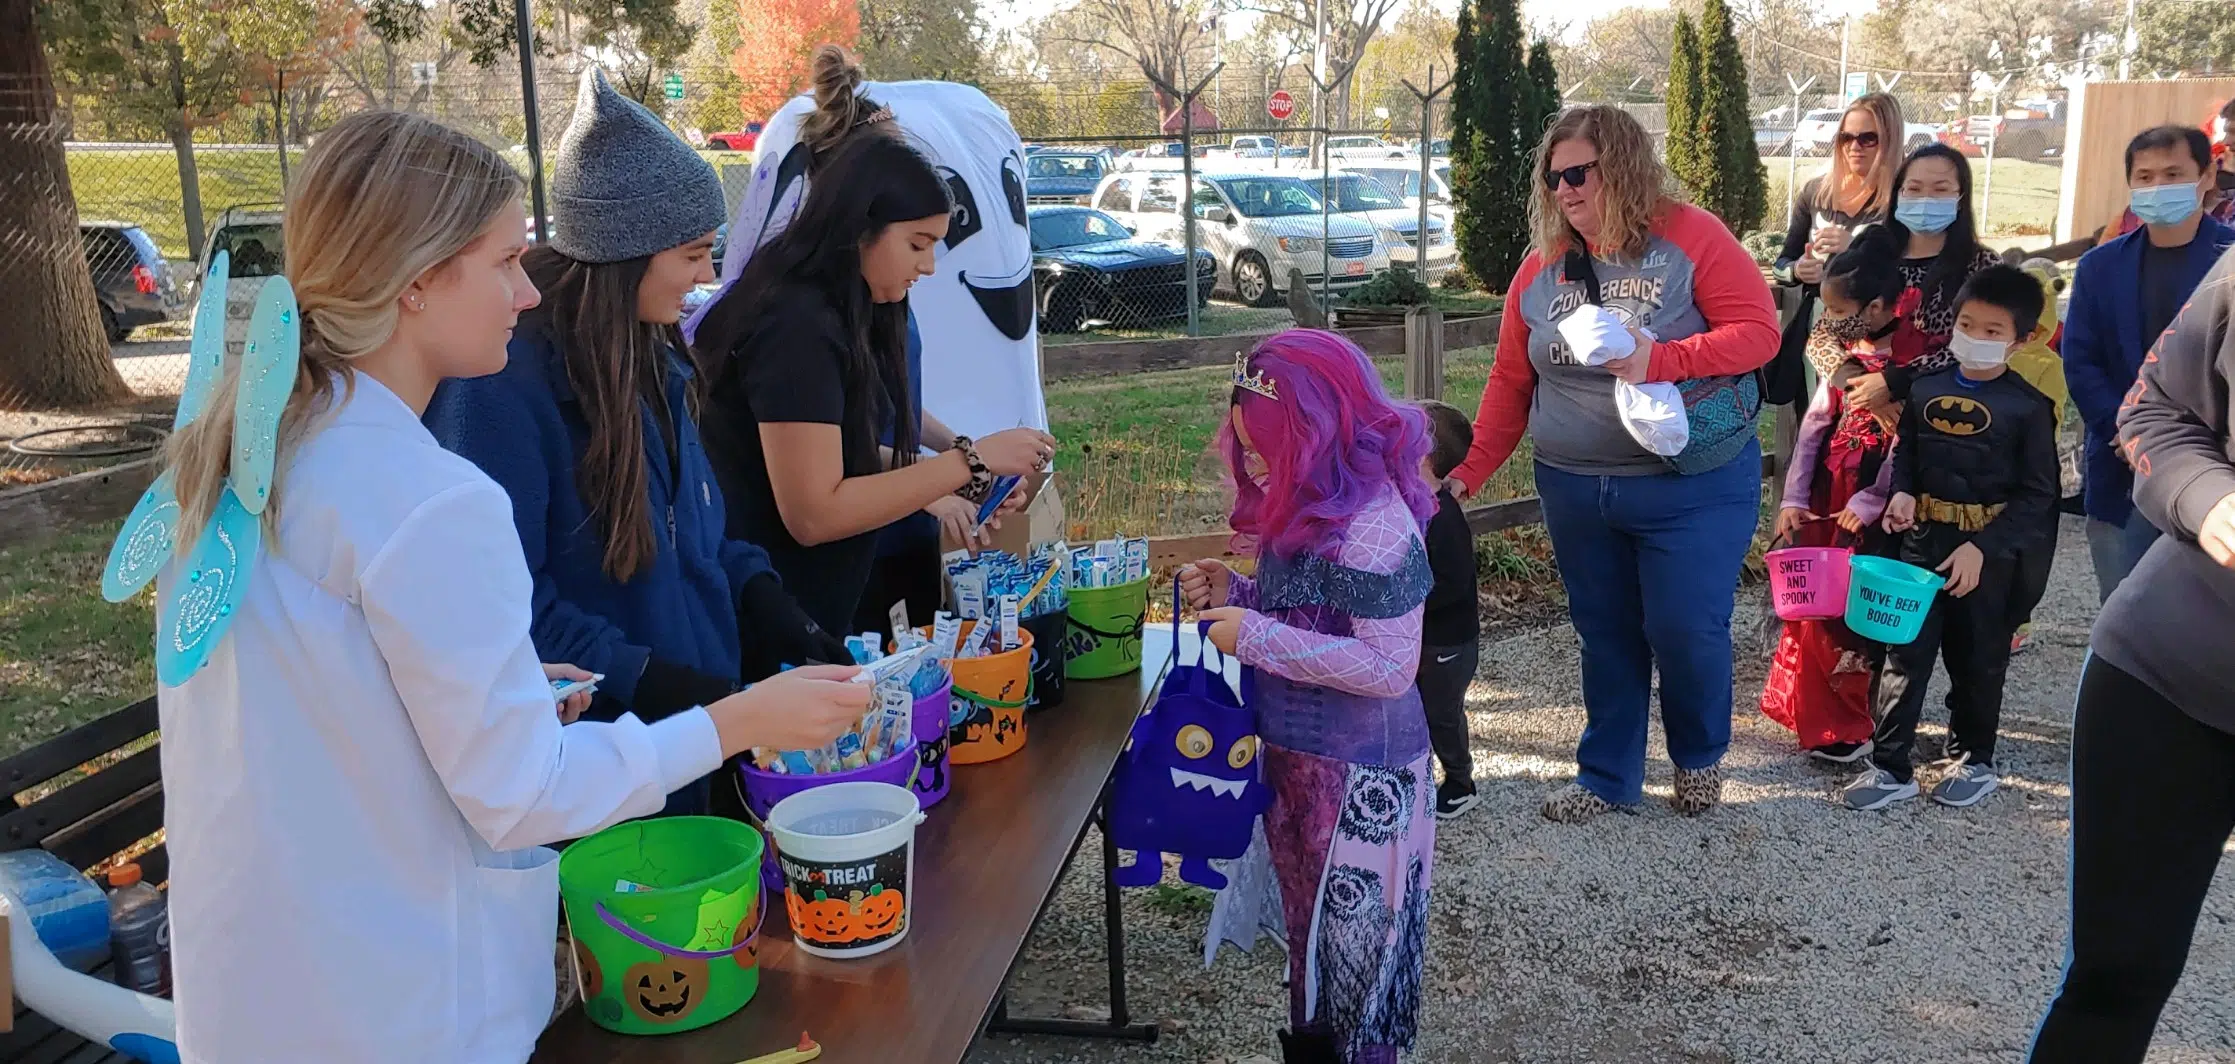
column 1257, row 382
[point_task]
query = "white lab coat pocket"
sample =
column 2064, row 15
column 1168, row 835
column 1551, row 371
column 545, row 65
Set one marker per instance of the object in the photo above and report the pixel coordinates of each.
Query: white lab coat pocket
column 1654, row 414
column 519, row 902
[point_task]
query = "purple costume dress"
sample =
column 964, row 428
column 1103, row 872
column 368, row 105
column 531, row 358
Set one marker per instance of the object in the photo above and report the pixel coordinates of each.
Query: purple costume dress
column 1336, row 644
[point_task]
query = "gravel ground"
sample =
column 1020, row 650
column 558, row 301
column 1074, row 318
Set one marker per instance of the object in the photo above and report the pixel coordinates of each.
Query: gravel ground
column 1776, row 929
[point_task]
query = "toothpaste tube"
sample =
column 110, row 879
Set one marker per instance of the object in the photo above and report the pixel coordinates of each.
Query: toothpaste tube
column 895, row 718
column 849, row 751
column 1009, row 640
column 892, row 668
column 1136, row 559
column 855, row 651
column 970, row 593
column 945, row 634
column 902, row 631
column 797, row 763
column 873, row 646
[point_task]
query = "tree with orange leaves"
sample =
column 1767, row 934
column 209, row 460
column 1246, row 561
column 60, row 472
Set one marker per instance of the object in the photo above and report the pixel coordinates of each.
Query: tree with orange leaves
column 785, row 33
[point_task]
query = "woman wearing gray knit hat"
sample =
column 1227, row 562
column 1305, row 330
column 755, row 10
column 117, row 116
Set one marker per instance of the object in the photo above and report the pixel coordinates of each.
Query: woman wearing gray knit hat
column 591, row 428
column 808, row 355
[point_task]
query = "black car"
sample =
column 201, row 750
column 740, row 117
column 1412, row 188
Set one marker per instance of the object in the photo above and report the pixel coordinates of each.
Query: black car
column 1088, row 267
column 130, row 278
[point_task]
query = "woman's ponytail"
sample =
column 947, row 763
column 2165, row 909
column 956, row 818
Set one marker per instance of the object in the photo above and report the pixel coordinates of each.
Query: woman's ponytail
column 839, row 106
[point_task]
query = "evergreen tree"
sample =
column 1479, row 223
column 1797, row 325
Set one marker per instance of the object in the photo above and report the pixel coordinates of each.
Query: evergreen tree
column 1493, row 157
column 1733, row 185
column 1684, row 151
column 1464, row 103
column 1544, row 94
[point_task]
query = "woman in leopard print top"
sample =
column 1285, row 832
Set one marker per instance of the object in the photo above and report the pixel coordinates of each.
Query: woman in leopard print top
column 1936, row 262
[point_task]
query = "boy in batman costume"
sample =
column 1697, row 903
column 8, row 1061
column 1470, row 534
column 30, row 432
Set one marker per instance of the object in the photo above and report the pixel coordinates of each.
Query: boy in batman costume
column 1975, row 482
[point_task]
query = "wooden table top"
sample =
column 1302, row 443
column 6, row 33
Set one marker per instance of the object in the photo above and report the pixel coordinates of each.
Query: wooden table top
column 986, row 861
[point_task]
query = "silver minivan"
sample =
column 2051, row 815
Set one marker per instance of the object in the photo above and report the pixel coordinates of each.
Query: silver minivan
column 1260, row 225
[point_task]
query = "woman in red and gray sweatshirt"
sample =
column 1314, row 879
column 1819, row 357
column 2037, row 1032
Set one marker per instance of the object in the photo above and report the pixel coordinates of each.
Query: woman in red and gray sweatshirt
column 2153, row 738
column 1650, row 556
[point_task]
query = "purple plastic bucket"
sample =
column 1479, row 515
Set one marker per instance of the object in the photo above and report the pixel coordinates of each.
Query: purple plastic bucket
column 929, row 722
column 764, row 789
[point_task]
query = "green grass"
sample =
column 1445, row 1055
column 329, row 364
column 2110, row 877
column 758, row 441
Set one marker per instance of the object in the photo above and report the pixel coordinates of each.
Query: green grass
column 142, row 187
column 2024, row 202
column 67, row 656
column 1180, row 409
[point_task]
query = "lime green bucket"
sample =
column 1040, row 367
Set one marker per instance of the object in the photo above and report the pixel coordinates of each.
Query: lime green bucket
column 1105, row 637
column 666, row 918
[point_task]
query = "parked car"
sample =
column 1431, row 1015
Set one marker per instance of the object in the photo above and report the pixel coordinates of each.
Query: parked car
column 131, row 281
column 1259, row 225
column 1916, row 135
column 1360, row 149
column 744, row 140
column 1771, row 139
column 1404, row 181
column 1397, row 224
column 1814, row 133
column 1062, row 177
column 250, row 236
column 2032, row 130
column 1088, row 267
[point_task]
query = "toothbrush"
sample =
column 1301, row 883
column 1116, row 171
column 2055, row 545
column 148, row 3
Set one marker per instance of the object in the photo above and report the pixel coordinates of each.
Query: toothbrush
column 807, row 1049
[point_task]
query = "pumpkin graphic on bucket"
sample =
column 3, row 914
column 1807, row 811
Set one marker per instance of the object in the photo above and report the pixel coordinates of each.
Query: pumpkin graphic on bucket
column 665, row 916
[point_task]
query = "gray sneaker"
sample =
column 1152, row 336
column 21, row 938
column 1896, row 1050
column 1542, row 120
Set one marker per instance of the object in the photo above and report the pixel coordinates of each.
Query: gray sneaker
column 1965, row 784
column 1876, row 789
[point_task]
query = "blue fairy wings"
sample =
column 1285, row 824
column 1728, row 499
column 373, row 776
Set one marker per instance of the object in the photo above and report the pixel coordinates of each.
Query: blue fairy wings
column 196, row 608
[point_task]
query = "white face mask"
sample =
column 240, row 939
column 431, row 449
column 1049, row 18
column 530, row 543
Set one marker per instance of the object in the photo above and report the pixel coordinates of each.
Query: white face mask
column 1974, row 353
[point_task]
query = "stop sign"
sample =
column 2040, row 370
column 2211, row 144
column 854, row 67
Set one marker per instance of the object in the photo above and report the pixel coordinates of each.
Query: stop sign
column 1281, row 105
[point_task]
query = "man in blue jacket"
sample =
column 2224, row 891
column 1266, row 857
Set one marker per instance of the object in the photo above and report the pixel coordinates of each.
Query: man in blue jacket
column 2124, row 293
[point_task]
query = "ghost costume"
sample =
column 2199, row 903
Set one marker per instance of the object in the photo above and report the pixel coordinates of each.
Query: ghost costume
column 976, row 311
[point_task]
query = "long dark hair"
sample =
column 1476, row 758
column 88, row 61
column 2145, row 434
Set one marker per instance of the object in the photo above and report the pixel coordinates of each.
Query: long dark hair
column 870, row 181
column 614, row 361
column 1868, row 270
column 1953, row 266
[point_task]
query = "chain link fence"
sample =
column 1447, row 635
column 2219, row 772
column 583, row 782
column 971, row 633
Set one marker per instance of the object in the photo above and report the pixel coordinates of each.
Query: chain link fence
column 1283, row 218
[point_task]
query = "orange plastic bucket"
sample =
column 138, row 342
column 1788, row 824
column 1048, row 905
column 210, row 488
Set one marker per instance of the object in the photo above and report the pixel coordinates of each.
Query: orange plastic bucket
column 986, row 719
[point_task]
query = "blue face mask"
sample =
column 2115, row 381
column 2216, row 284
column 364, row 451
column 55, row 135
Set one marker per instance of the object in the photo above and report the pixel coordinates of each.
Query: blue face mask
column 1923, row 215
column 2163, row 204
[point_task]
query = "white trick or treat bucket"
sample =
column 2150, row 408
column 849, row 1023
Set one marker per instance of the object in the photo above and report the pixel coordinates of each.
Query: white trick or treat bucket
column 848, row 851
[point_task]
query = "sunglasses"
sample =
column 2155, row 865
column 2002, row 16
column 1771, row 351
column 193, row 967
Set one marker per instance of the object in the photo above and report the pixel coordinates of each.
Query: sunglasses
column 1860, row 140
column 1573, row 175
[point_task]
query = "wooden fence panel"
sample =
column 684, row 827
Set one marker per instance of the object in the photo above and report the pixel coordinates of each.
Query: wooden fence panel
column 2104, row 116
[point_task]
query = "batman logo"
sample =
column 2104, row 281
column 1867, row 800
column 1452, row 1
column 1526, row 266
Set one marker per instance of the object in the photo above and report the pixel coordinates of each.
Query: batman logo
column 1958, row 416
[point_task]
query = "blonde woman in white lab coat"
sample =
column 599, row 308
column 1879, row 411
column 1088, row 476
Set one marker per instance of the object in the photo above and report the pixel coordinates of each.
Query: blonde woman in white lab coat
column 360, row 782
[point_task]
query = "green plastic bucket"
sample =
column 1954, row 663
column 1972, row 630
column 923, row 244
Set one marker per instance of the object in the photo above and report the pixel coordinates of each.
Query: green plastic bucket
column 666, row 919
column 1105, row 636
column 1887, row 600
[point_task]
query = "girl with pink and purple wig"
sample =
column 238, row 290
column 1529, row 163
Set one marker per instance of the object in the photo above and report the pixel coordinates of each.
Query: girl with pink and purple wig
column 1329, row 494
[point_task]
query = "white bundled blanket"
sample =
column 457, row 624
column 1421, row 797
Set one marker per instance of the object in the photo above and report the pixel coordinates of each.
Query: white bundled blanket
column 1653, row 413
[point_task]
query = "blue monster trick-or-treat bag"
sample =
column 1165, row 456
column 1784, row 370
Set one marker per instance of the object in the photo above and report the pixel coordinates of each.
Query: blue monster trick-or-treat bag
column 1188, row 782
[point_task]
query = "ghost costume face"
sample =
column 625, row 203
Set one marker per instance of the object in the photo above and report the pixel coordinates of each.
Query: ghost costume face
column 981, row 367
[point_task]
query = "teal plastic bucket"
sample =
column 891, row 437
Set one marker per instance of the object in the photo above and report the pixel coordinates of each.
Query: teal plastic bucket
column 1887, row 600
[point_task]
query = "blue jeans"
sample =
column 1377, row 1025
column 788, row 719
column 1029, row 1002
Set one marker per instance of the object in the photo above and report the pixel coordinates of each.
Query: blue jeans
column 2117, row 549
column 1651, row 565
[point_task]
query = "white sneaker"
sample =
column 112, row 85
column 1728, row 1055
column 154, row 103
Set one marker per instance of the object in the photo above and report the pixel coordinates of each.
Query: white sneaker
column 1876, row 789
column 1965, row 784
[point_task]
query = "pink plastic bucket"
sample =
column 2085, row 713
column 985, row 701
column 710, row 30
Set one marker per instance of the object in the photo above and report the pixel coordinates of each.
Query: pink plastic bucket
column 1808, row 583
column 930, row 722
column 764, row 789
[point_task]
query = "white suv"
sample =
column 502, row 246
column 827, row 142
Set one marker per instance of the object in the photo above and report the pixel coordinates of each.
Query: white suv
column 1260, row 226
column 1398, row 225
column 1360, row 149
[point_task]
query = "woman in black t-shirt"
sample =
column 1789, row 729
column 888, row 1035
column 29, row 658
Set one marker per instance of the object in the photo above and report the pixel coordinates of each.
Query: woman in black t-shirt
column 808, row 353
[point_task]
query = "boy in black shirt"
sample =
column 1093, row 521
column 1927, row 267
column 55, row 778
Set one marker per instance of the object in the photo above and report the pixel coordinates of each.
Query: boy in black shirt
column 1975, row 480
column 1450, row 630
